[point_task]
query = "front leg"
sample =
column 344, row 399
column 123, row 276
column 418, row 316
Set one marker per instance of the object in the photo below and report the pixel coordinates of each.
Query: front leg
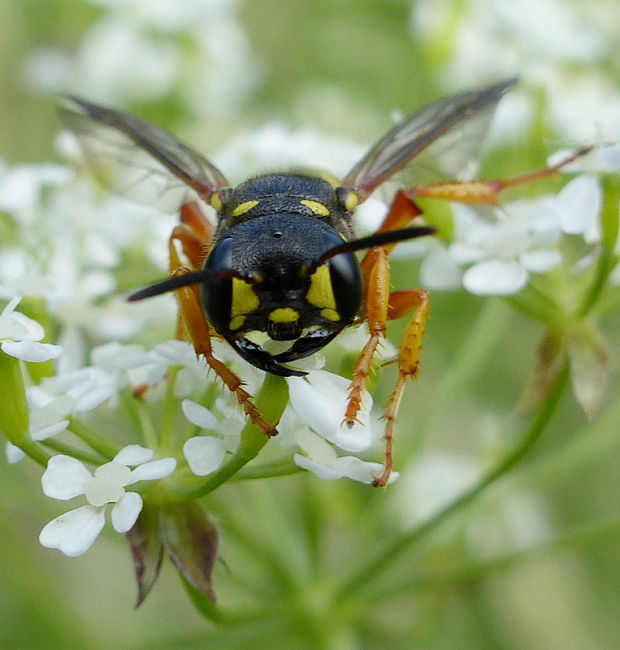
column 376, row 313
column 197, row 327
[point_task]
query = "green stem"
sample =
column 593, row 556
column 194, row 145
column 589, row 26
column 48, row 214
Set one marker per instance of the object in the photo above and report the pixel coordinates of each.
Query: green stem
column 94, row 439
column 476, row 570
column 128, row 404
column 271, row 402
column 605, row 265
column 533, row 303
column 70, row 450
column 146, row 424
column 609, row 239
column 34, row 451
column 268, row 470
column 166, row 432
column 405, row 542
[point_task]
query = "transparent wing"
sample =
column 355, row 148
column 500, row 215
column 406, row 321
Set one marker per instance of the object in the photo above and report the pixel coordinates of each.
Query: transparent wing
column 432, row 129
column 136, row 158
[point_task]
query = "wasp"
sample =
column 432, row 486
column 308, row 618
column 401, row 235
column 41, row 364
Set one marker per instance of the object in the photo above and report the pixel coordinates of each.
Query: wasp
column 280, row 256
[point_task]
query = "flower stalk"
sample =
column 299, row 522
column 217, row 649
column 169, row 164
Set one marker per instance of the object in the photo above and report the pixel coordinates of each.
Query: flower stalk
column 271, row 401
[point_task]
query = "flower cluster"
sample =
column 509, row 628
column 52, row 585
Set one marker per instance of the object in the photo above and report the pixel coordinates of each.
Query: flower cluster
column 65, row 478
column 137, row 427
column 496, row 250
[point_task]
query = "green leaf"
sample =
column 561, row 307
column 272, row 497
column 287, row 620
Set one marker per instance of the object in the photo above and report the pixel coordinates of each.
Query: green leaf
column 550, row 361
column 192, row 540
column 147, row 550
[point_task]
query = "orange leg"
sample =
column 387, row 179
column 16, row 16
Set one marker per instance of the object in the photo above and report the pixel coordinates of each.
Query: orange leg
column 377, row 298
column 401, row 303
column 380, row 306
column 376, row 281
column 198, row 329
column 480, row 192
column 194, row 235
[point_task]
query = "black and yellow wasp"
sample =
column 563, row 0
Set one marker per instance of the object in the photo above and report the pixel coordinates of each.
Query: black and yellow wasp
column 279, row 258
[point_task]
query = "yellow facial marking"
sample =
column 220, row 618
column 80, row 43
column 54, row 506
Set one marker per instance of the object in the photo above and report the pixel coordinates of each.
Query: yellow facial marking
column 330, row 314
column 350, row 203
column 284, row 315
column 236, row 322
column 244, row 300
column 320, row 293
column 316, row 207
column 242, row 208
column 216, row 201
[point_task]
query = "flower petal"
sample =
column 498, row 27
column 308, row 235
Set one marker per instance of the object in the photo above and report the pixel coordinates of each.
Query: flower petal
column 74, row 532
column 609, row 158
column 126, row 511
column 21, row 328
column 14, row 454
column 539, row 261
column 325, row 472
column 320, row 398
column 579, row 203
column 43, row 433
column 133, row 455
column 439, row 270
column 495, row 277
column 31, row 351
column 159, row 468
column 64, row 478
column 344, row 467
column 204, row 454
column 198, row 415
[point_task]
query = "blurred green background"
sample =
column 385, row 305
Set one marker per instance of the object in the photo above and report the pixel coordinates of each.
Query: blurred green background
column 534, row 563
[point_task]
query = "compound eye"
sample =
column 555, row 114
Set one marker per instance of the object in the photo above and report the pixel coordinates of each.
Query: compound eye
column 346, row 280
column 216, row 295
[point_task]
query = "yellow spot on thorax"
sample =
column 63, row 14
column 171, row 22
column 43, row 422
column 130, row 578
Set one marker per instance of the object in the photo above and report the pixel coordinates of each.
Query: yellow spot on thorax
column 316, row 207
column 284, row 315
column 242, row 208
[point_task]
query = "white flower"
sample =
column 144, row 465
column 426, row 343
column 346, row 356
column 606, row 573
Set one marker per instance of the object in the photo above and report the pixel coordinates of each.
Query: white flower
column 322, row 460
column 130, row 364
column 193, row 372
column 20, row 335
column 204, row 454
column 65, row 478
column 601, row 159
column 319, row 400
column 504, row 251
column 47, row 417
column 578, row 205
column 21, row 186
column 168, row 44
column 88, row 387
column 276, row 145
